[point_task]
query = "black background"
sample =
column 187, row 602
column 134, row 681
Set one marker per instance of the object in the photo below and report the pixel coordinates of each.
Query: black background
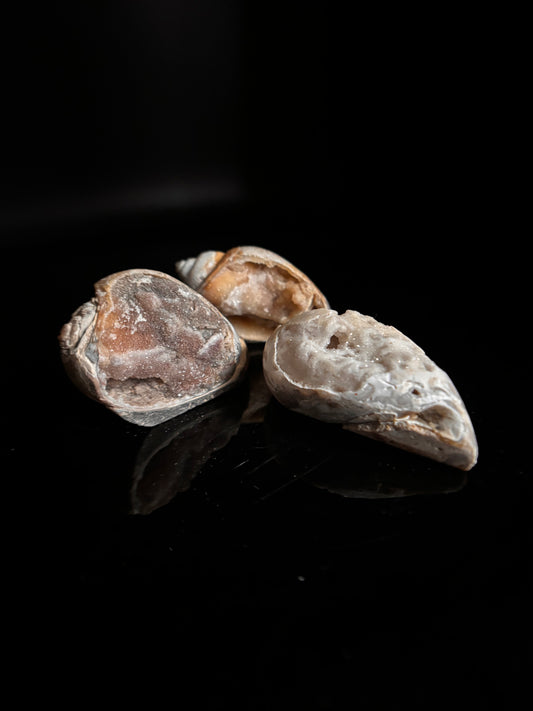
column 363, row 150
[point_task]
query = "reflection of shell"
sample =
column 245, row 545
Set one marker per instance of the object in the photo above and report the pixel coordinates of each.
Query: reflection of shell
column 149, row 347
column 255, row 288
column 175, row 451
column 372, row 379
column 388, row 484
column 259, row 396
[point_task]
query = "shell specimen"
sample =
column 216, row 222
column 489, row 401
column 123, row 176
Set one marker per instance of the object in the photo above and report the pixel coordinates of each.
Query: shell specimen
column 254, row 288
column 149, row 347
column 353, row 370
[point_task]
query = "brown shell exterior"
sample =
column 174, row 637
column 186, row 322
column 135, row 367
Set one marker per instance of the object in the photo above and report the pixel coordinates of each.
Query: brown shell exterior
column 257, row 290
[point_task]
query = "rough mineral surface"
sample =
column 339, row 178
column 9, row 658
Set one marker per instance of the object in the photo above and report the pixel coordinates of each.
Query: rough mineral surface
column 150, row 347
column 255, row 288
column 353, row 370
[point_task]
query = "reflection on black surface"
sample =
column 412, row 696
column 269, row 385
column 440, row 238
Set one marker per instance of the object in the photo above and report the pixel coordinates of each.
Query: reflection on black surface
column 279, row 449
column 388, row 484
column 174, row 452
column 259, row 396
column 330, row 458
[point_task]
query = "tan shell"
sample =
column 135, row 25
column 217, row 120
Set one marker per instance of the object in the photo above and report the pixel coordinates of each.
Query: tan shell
column 255, row 288
column 149, row 347
column 372, row 379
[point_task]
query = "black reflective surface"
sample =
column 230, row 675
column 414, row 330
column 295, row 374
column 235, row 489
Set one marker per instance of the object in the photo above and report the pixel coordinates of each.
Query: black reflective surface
column 246, row 550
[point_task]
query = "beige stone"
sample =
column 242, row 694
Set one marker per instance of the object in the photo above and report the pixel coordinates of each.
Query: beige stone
column 255, row 288
column 350, row 369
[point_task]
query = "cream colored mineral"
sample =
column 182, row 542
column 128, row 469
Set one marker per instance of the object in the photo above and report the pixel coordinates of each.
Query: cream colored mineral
column 255, row 288
column 350, row 369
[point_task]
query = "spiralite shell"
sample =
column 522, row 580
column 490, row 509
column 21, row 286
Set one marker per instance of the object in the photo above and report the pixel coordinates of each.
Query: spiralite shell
column 255, row 288
column 149, row 347
column 372, row 379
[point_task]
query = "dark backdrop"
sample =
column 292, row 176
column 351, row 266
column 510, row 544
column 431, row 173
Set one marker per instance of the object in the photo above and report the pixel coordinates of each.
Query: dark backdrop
column 366, row 123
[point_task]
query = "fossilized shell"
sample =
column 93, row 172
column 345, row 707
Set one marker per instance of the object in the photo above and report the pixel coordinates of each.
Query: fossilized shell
column 372, row 379
column 194, row 270
column 255, row 288
column 149, row 347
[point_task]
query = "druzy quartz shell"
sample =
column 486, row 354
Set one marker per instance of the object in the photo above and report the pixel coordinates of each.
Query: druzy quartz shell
column 351, row 369
column 256, row 289
column 149, row 347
